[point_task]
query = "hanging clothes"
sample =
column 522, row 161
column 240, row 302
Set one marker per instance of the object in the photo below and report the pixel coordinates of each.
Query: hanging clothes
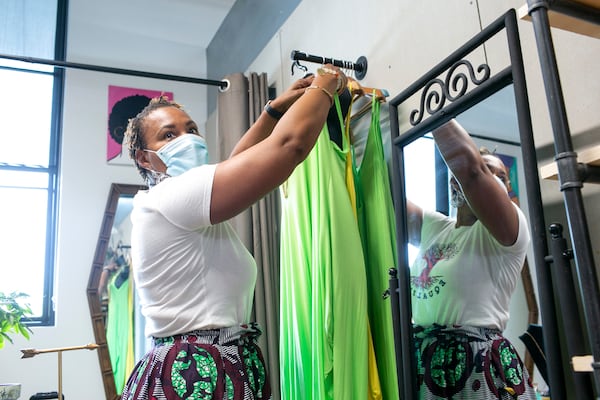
column 374, row 384
column 377, row 229
column 119, row 327
column 323, row 334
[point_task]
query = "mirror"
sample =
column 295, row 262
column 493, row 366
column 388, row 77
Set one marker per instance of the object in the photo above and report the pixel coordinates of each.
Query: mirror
column 489, row 100
column 110, row 275
column 427, row 186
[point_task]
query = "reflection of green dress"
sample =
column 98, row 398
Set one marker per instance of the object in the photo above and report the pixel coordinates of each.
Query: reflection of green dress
column 377, row 229
column 323, row 335
column 119, row 330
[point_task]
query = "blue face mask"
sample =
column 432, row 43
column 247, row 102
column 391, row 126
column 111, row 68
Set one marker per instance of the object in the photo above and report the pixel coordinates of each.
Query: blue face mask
column 183, row 153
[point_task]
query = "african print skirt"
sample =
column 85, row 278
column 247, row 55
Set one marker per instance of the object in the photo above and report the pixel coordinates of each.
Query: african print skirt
column 220, row 364
column 469, row 363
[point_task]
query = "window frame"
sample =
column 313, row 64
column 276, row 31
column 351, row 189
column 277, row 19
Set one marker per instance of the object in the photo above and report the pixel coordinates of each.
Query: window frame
column 47, row 317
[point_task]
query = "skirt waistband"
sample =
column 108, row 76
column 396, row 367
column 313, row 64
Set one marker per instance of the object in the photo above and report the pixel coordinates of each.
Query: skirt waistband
column 467, row 332
column 238, row 334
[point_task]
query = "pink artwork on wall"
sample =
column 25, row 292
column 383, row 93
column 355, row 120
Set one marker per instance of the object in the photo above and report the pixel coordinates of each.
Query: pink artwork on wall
column 511, row 165
column 124, row 103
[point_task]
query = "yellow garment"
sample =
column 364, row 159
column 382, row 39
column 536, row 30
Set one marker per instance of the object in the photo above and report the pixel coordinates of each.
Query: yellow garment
column 374, row 389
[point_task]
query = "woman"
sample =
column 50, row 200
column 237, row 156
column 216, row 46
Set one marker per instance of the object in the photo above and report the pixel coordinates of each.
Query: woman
column 463, row 278
column 194, row 277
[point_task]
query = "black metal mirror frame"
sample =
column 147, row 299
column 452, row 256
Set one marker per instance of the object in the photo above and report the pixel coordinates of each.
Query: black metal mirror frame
column 116, row 192
column 441, row 107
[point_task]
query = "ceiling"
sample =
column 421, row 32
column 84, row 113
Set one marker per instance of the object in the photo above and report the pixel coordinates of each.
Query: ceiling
column 192, row 22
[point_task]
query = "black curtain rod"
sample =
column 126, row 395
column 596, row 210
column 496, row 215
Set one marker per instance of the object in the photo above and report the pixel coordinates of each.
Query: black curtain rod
column 120, row 71
column 359, row 67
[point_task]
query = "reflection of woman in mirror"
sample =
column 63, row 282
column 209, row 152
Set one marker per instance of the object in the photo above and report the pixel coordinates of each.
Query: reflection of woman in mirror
column 464, row 277
column 115, row 264
column 194, row 276
column 116, row 290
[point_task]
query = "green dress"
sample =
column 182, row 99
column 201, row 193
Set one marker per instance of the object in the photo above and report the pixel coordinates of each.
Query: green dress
column 377, row 229
column 119, row 330
column 323, row 326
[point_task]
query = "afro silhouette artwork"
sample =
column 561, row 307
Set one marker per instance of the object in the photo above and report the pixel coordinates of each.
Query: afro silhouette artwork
column 123, row 110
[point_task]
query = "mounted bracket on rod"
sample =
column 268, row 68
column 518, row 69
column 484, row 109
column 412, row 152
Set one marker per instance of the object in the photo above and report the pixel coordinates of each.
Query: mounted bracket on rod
column 359, row 67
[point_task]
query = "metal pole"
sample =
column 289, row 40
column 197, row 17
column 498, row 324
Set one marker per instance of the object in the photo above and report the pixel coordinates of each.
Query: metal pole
column 120, row 71
column 401, row 303
column 394, row 300
column 60, row 375
column 569, row 311
column 570, row 181
column 550, row 332
column 360, row 66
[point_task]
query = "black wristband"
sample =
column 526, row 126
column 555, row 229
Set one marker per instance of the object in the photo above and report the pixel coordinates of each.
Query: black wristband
column 272, row 112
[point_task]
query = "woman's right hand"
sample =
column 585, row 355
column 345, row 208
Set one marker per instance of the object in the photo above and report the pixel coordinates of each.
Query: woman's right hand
column 331, row 78
column 328, row 76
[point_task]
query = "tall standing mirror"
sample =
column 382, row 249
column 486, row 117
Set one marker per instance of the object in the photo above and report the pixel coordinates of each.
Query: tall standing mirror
column 489, row 99
column 110, row 291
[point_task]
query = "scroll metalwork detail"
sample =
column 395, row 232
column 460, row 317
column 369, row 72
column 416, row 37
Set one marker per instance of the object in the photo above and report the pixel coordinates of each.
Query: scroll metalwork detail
column 437, row 91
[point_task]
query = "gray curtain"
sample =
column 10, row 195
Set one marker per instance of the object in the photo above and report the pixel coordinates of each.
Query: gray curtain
column 238, row 107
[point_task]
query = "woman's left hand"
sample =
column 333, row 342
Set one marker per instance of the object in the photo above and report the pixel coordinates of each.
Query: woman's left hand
column 285, row 100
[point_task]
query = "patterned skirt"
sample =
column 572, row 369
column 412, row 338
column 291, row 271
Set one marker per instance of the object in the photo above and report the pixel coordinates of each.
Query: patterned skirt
column 221, row 364
column 469, row 363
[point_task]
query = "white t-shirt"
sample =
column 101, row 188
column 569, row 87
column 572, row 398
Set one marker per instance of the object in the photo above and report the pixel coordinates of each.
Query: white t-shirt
column 189, row 274
column 463, row 276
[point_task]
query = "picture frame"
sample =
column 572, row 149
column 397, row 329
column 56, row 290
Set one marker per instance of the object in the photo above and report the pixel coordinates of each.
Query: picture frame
column 124, row 103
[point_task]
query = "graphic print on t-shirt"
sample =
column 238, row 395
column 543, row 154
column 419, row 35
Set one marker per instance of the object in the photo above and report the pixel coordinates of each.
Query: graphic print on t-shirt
column 426, row 285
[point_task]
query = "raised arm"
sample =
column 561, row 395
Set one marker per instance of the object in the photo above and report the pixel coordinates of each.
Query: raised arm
column 487, row 199
column 262, row 161
column 263, row 127
column 414, row 215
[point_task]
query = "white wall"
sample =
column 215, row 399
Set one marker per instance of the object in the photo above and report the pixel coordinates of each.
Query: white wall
column 401, row 40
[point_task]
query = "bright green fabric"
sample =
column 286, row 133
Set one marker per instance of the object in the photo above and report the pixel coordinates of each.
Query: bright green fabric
column 119, row 330
column 377, row 229
column 323, row 327
column 373, row 383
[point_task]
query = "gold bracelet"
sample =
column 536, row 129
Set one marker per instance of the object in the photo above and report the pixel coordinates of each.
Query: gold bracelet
column 322, row 89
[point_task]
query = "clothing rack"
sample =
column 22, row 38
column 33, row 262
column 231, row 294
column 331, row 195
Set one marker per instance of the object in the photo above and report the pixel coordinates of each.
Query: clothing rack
column 571, row 182
column 65, row 64
column 359, row 67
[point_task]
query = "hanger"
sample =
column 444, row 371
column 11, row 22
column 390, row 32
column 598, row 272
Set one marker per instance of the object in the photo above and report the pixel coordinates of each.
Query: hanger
column 356, row 89
column 296, row 64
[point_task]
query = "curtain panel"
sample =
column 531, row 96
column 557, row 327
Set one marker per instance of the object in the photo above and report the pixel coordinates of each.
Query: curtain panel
column 238, row 107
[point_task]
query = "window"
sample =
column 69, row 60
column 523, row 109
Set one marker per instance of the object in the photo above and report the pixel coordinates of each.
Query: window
column 30, row 107
column 421, row 179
